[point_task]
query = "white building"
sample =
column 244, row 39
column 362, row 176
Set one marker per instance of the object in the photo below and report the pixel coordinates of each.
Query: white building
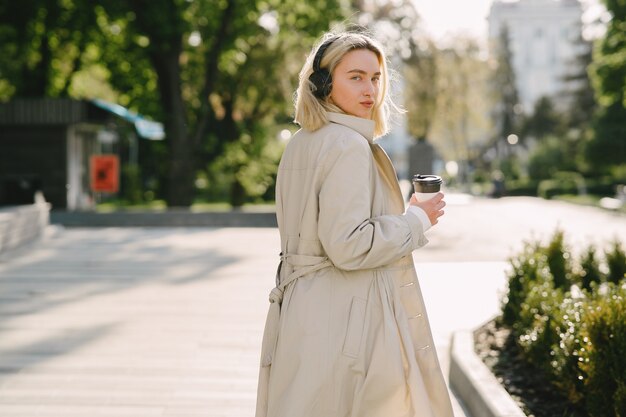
column 543, row 36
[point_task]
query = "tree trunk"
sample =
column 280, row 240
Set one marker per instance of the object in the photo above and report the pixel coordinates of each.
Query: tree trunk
column 182, row 161
column 237, row 194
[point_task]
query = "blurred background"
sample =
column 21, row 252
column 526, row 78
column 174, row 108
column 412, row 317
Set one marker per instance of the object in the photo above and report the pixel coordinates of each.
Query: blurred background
column 193, row 99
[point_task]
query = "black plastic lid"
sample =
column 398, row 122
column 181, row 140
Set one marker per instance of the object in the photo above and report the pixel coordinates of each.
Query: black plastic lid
column 427, row 183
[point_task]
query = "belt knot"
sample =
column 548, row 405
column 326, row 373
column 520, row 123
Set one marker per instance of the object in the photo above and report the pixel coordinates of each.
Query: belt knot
column 276, row 295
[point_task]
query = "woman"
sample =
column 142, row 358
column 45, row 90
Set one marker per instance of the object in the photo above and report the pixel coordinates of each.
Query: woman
column 347, row 332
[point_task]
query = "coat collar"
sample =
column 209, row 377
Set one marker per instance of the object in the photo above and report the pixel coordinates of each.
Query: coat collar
column 364, row 126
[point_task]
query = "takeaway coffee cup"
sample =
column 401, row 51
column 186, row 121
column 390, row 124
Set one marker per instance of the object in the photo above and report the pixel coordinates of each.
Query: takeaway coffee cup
column 426, row 186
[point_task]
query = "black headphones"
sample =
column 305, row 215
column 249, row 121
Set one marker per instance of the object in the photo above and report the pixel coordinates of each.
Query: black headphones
column 321, row 77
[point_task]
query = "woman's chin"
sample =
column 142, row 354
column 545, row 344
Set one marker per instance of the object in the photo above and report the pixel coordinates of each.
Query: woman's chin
column 363, row 114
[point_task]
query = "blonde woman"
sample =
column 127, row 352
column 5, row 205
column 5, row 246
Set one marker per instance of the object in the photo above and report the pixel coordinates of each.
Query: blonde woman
column 347, row 333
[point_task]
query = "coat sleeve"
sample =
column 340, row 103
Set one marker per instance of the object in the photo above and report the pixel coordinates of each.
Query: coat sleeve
column 351, row 237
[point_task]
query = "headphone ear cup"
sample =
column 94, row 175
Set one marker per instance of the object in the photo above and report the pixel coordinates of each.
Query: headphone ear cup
column 323, row 82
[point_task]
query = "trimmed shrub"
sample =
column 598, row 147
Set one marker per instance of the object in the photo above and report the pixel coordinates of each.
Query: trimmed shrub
column 527, row 268
column 602, row 186
column 536, row 326
column 576, row 338
column 564, row 182
column 603, row 354
column 548, row 335
column 616, row 261
column 589, row 272
column 558, row 258
column 521, row 187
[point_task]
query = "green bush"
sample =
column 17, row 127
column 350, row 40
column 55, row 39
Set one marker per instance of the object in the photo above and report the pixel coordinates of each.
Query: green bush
column 521, row 187
column 528, row 268
column 603, row 355
column 616, row 261
column 548, row 336
column 562, row 183
column 576, row 338
column 602, row 186
column 132, row 190
column 549, row 156
column 535, row 265
column 536, row 326
column 558, row 258
column 589, row 269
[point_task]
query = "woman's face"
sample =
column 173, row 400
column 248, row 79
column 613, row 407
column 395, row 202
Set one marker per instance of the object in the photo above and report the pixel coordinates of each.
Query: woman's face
column 356, row 81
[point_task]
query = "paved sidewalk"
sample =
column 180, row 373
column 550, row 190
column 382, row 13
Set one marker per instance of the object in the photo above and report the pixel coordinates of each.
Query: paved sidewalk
column 156, row 322
column 132, row 322
column 168, row 322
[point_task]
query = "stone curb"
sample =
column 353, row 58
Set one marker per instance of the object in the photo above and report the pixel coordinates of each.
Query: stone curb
column 50, row 232
column 474, row 383
column 170, row 218
column 21, row 225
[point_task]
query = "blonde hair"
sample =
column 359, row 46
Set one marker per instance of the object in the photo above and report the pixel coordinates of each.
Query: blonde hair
column 311, row 111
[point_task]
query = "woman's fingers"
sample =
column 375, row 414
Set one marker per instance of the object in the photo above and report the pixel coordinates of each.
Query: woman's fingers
column 433, row 207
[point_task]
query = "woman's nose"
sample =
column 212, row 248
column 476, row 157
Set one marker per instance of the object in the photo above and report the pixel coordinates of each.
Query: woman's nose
column 370, row 89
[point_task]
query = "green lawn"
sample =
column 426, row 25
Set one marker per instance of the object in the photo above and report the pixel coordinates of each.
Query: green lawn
column 160, row 205
column 586, row 200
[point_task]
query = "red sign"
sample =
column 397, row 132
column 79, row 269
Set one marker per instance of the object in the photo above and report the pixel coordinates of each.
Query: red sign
column 105, row 173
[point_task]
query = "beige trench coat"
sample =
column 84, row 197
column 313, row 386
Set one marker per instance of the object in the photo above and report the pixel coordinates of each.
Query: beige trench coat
column 347, row 332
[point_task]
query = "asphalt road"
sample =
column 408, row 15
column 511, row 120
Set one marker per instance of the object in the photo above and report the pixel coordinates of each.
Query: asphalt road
column 479, row 229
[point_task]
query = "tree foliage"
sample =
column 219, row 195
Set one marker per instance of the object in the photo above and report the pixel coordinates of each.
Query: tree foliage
column 397, row 25
column 420, row 75
column 222, row 69
column 42, row 43
column 442, row 88
column 582, row 101
column 506, row 110
column 460, row 121
column 608, row 148
column 214, row 71
column 545, row 120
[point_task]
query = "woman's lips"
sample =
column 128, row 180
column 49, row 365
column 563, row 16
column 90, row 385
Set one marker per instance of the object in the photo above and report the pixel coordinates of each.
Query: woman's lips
column 368, row 104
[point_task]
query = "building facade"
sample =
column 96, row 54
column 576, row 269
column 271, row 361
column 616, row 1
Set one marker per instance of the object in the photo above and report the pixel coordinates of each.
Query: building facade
column 46, row 145
column 544, row 42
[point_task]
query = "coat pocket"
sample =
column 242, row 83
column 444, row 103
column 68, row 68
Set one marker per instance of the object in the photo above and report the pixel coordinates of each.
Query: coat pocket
column 356, row 322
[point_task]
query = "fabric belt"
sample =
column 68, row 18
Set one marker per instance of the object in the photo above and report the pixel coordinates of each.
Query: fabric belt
column 302, row 265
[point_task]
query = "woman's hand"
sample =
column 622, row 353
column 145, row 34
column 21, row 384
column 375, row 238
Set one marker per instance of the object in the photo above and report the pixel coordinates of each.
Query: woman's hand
column 433, row 207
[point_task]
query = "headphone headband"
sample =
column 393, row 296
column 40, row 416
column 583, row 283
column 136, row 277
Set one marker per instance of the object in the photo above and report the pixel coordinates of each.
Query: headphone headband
column 317, row 61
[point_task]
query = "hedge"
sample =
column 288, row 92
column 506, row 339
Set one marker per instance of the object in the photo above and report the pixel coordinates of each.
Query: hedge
column 568, row 317
column 563, row 183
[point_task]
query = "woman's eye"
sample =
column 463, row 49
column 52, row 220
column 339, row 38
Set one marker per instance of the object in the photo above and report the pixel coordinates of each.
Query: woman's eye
column 376, row 79
column 356, row 77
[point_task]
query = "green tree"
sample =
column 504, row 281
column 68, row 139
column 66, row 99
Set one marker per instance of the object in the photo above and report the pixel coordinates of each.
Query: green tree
column 551, row 155
column 443, row 89
column 42, row 43
column 506, row 111
column 420, row 75
column 582, row 101
column 212, row 71
column 217, row 68
column 459, row 121
column 544, row 121
column 608, row 147
column 398, row 26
